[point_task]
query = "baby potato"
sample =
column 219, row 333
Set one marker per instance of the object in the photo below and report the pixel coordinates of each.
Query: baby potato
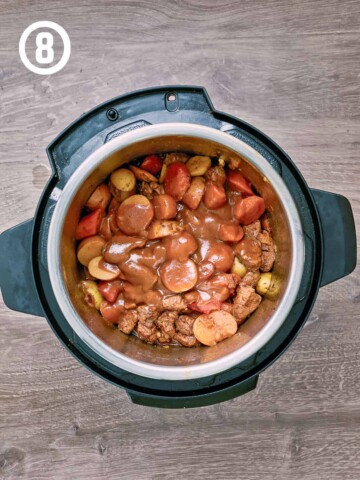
column 238, row 268
column 163, row 228
column 91, row 292
column 198, row 165
column 214, row 327
column 142, row 175
column 179, row 276
column 194, row 193
column 135, row 214
column 263, row 284
column 89, row 248
column 100, row 198
column 165, row 207
column 163, row 173
column 102, row 270
column 122, row 184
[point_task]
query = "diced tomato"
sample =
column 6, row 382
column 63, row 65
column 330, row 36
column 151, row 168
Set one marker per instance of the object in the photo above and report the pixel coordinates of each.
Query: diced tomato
column 110, row 290
column 89, row 225
column 249, row 209
column 205, row 306
column 111, row 311
column 238, row 183
column 177, row 180
column 215, row 196
column 152, row 164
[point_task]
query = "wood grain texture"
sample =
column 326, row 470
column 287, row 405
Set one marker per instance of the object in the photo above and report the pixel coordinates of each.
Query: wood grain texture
column 290, row 68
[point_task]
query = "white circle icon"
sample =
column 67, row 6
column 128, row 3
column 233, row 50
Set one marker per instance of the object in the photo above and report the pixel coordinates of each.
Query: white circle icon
column 44, row 53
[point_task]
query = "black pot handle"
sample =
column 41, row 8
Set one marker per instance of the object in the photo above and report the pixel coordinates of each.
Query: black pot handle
column 193, row 401
column 16, row 275
column 339, row 235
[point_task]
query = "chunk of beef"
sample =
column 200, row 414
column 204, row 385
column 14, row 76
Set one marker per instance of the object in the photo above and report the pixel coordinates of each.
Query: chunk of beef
column 148, row 333
column 216, row 175
column 265, row 223
column 234, row 163
column 128, row 320
column 245, row 303
column 250, row 278
column 227, row 307
column 220, row 286
column 151, row 189
column 249, row 253
column 253, row 229
column 186, row 340
column 176, row 157
column 147, row 313
column 192, row 296
column 184, row 324
column 166, row 324
column 267, row 251
column 174, row 302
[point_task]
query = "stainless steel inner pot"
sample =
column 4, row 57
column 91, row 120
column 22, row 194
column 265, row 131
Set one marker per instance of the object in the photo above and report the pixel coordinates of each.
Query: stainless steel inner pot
column 173, row 362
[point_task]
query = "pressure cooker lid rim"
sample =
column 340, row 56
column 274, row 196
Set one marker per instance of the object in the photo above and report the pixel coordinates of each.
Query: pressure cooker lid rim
column 174, row 372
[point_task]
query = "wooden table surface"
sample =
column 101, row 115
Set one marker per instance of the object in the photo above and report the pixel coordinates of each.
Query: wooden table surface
column 290, row 68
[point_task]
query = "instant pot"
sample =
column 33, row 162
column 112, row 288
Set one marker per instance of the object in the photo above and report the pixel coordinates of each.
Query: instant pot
column 314, row 232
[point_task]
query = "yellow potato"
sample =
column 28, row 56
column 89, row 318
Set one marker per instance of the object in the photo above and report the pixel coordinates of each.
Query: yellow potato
column 102, row 270
column 198, row 165
column 122, row 184
column 163, row 173
column 214, row 327
column 90, row 248
column 142, row 175
column 238, row 268
column 92, row 295
column 100, row 198
column 263, row 284
column 163, row 228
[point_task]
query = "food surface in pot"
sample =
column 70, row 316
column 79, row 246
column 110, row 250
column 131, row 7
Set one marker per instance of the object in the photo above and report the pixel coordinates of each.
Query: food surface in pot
column 176, row 249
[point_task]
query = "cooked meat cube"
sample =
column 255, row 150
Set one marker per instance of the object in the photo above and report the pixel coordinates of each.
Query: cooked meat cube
column 147, row 313
column 220, row 286
column 249, row 253
column 265, row 223
column 229, row 280
column 234, row 163
column 267, row 251
column 253, row 229
column 245, row 302
column 176, row 157
column 166, row 323
column 186, row 340
column 216, row 175
column 127, row 321
column 147, row 333
column 227, row 307
column 174, row 302
column 151, row 189
column 250, row 279
column 192, row 296
column 184, row 324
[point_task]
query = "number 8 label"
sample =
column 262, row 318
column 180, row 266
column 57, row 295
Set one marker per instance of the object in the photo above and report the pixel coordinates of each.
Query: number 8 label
column 44, row 43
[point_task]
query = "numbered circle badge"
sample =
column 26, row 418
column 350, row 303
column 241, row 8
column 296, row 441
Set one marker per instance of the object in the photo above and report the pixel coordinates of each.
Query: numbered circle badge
column 44, row 43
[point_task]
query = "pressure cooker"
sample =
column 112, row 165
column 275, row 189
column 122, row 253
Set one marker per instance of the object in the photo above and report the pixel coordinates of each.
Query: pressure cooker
column 314, row 232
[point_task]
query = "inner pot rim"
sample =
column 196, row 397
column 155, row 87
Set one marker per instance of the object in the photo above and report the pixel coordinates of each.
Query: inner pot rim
column 175, row 372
